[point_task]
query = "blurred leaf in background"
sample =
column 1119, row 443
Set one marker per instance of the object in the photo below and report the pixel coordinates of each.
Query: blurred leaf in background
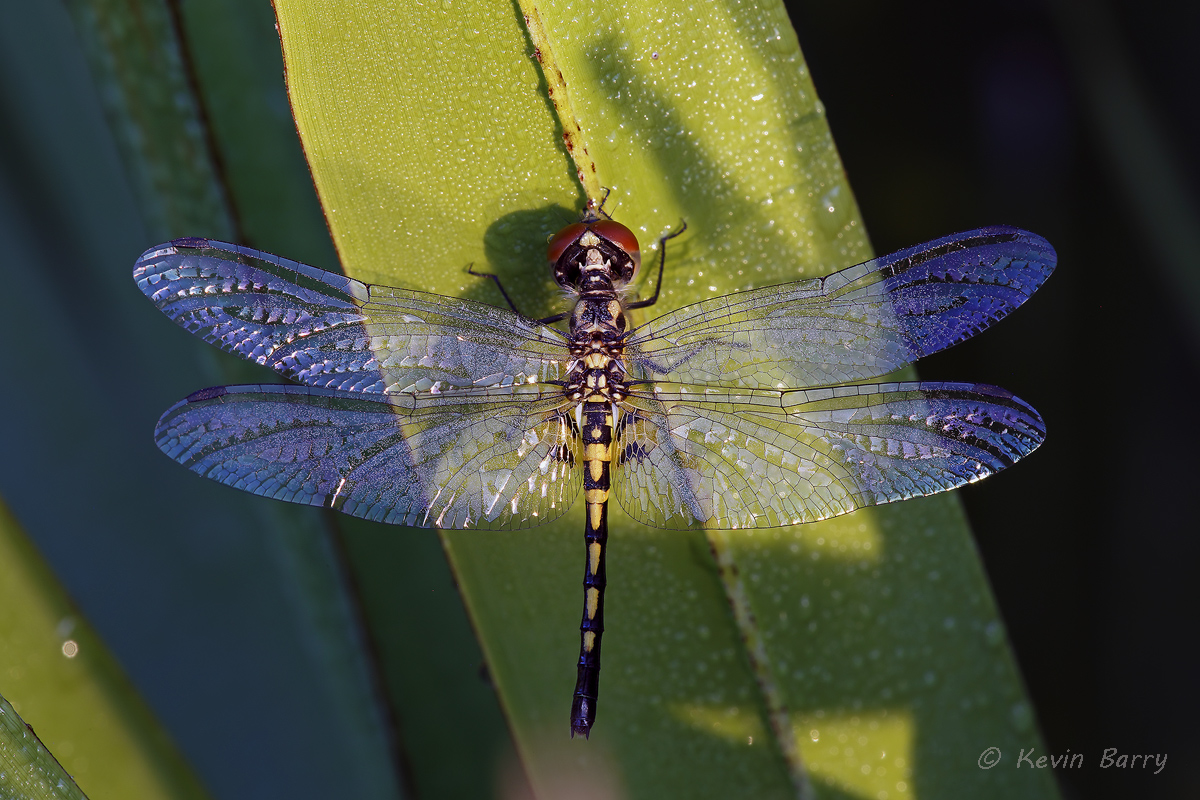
column 229, row 616
column 58, row 672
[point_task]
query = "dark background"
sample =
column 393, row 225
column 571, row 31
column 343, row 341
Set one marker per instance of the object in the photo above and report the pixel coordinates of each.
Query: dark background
column 1080, row 122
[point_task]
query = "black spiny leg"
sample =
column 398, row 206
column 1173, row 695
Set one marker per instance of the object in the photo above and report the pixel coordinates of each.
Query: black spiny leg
column 662, row 260
column 507, row 299
column 599, row 208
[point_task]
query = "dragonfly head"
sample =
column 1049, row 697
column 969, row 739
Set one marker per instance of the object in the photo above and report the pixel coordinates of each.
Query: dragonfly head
column 617, row 246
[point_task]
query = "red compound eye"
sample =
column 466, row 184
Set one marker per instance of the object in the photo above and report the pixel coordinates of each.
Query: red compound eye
column 619, row 235
column 560, row 241
column 618, row 238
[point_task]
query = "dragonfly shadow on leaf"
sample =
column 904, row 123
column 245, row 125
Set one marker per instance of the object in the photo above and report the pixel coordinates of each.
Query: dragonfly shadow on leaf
column 515, row 248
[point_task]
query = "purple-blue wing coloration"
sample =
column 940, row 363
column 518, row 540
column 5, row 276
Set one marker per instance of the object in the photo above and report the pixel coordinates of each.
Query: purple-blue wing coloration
column 327, row 330
column 857, row 324
column 758, row 459
column 432, row 411
column 482, row 458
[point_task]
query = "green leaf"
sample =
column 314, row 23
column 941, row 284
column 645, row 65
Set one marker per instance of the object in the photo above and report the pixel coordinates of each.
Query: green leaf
column 29, row 771
column 864, row 656
column 139, row 68
column 58, row 675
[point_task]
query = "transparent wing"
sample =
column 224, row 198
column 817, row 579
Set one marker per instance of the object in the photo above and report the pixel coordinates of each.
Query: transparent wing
column 758, row 459
column 327, row 330
column 495, row 458
column 856, row 324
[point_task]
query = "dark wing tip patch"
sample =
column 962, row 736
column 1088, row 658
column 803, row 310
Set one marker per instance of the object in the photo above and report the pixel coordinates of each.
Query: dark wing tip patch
column 190, row 241
column 207, row 394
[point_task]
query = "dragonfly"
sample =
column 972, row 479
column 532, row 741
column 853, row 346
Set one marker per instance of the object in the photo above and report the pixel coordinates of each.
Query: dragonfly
column 751, row 410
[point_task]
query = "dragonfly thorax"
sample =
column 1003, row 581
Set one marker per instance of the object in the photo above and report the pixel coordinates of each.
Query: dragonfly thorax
column 597, row 370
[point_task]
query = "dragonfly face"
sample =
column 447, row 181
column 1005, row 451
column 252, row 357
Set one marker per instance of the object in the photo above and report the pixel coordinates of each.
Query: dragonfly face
column 743, row 411
column 615, row 243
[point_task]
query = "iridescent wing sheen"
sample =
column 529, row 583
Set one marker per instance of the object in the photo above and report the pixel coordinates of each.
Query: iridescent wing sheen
column 481, row 458
column 758, row 458
column 324, row 329
column 860, row 323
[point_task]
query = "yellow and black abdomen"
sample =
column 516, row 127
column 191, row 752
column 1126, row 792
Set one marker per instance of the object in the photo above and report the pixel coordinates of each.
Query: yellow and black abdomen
column 597, row 432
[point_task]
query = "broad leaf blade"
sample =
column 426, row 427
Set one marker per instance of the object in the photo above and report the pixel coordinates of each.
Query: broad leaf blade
column 414, row 123
column 29, row 772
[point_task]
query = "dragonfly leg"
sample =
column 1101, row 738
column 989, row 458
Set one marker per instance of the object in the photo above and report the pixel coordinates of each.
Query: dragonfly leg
column 600, row 207
column 662, row 260
column 496, row 279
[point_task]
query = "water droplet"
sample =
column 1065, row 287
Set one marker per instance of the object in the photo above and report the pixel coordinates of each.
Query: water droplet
column 829, row 201
column 778, row 43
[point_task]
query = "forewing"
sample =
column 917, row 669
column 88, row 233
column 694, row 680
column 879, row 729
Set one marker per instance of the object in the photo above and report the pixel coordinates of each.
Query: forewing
column 758, row 459
column 860, row 323
column 324, row 329
column 497, row 458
